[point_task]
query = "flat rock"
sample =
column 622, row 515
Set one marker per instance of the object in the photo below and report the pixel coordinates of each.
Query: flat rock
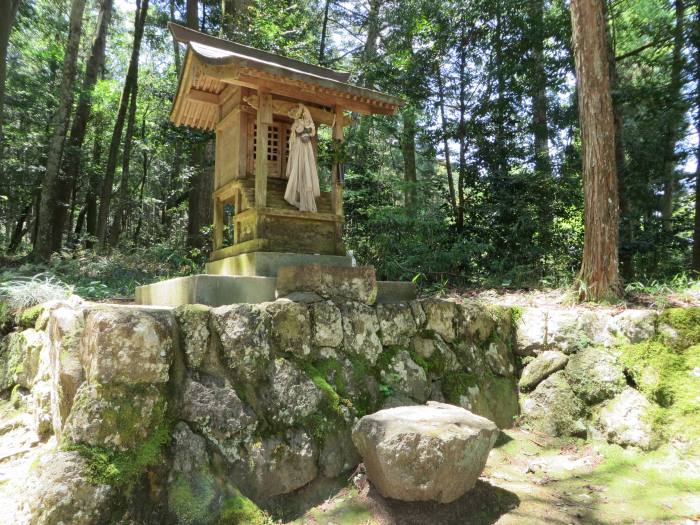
column 353, row 283
column 420, row 453
column 541, row 368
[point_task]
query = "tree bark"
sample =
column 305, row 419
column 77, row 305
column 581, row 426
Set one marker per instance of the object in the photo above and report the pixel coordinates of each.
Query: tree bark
column 445, row 143
column 696, row 230
column 598, row 278
column 19, row 230
column 8, row 13
column 192, row 14
column 675, row 114
column 93, row 188
column 408, row 152
column 123, row 193
column 462, row 129
column 129, row 83
column 71, row 170
column 540, row 126
column 45, row 245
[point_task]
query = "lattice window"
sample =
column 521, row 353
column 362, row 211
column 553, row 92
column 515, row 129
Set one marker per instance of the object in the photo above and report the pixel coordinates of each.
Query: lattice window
column 273, row 142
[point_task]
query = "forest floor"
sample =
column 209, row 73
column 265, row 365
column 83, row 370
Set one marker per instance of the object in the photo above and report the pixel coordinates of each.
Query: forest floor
column 529, row 479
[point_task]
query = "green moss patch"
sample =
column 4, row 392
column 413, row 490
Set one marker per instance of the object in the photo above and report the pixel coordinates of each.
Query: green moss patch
column 457, row 384
column 239, row 510
column 122, row 469
column 192, row 497
column 686, row 327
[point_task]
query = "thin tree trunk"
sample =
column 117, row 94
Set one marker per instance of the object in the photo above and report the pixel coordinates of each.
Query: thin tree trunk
column 93, row 188
column 192, row 14
column 123, row 194
column 408, row 151
column 8, row 13
column 673, row 119
column 144, row 174
column 462, row 130
column 324, row 29
column 19, row 230
column 598, row 278
column 71, row 170
column 540, row 126
column 445, row 142
column 45, row 245
column 176, row 47
column 129, row 83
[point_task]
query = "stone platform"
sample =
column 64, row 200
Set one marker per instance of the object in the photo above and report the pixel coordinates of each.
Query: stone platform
column 267, row 264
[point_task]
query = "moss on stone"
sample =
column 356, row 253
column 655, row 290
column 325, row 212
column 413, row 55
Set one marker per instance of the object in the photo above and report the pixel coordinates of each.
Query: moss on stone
column 324, row 421
column 6, row 318
column 239, row 510
column 685, row 323
column 457, row 384
column 669, row 378
column 27, row 318
column 191, row 497
column 122, row 469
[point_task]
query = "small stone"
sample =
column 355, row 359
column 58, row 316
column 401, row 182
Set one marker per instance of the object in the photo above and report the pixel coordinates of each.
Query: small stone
column 288, row 395
column 404, row 376
column 396, row 324
column 420, row 453
column 360, row 330
column 327, row 324
column 244, row 330
column 541, row 368
column 351, row 283
column 194, row 324
column 440, row 317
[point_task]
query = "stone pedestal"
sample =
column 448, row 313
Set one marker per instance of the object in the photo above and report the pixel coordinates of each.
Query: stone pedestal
column 267, row 264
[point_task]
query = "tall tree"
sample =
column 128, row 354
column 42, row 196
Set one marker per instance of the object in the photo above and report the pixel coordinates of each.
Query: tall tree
column 598, row 277
column 8, row 12
column 73, row 155
column 113, row 154
column 44, row 244
column 674, row 117
column 696, row 230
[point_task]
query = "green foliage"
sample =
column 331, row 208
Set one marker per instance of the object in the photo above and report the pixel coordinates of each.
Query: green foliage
column 239, row 510
column 21, row 293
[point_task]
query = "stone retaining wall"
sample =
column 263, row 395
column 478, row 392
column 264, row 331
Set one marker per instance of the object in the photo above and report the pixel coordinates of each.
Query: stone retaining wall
column 256, row 397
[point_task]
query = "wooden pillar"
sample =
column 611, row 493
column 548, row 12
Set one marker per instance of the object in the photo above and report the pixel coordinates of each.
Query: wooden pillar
column 263, row 121
column 337, row 185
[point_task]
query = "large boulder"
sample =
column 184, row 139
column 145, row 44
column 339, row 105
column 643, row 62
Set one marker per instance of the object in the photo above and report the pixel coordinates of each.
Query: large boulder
column 553, row 408
column 244, row 330
column 119, row 417
column 127, row 345
column 541, row 368
column 352, row 283
column 475, row 321
column 565, row 329
column 360, row 330
column 634, row 325
column 418, row 453
column 626, row 420
column 60, row 491
column 595, row 374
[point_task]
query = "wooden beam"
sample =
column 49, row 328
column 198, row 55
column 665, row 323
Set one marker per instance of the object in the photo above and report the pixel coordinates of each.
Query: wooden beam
column 263, row 121
column 320, row 115
column 203, row 96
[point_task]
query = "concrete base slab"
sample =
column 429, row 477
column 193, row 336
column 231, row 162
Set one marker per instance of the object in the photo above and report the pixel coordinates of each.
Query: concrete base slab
column 212, row 290
column 395, row 292
column 267, row 264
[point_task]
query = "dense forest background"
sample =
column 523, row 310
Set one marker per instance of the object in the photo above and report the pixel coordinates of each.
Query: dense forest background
column 477, row 181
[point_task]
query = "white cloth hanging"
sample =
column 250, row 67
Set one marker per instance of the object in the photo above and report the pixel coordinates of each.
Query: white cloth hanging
column 302, row 185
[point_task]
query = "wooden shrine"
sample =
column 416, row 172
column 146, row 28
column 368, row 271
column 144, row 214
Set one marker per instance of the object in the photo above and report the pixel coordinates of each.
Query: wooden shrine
column 245, row 95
